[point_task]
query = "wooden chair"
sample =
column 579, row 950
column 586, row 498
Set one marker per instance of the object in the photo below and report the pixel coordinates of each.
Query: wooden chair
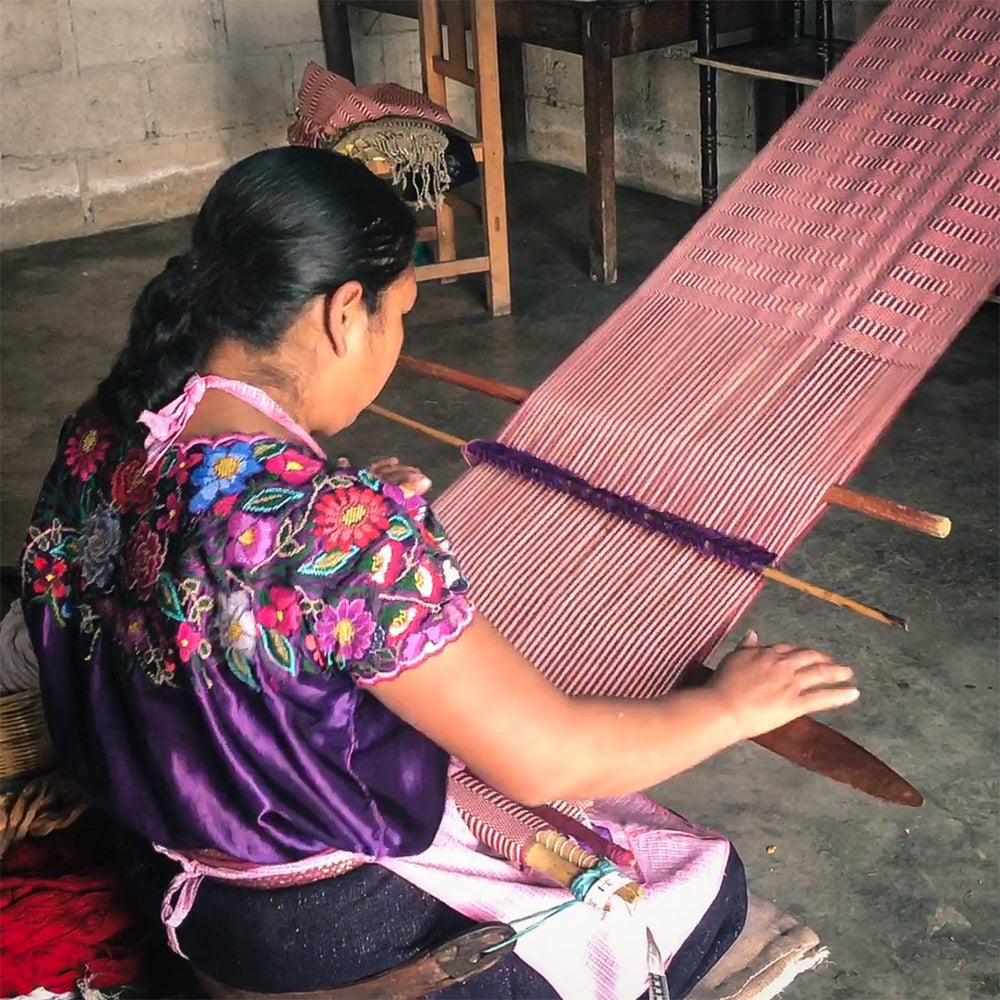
column 477, row 69
column 481, row 73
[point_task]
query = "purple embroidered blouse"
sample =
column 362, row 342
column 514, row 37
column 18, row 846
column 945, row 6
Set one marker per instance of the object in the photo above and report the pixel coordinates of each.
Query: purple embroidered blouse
column 208, row 634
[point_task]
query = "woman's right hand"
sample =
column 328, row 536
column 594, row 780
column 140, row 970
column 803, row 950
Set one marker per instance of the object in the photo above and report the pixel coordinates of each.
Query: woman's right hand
column 766, row 686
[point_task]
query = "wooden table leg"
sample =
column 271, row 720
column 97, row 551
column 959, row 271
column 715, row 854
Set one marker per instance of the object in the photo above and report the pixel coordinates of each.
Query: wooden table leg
column 512, row 107
column 336, row 38
column 599, row 120
column 707, row 106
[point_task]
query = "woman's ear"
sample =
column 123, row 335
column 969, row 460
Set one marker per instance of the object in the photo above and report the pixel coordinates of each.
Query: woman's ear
column 343, row 315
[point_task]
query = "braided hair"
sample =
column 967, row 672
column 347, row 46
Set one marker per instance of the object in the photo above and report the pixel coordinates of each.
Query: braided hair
column 277, row 229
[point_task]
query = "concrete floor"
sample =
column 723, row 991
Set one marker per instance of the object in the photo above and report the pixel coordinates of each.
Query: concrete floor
column 907, row 900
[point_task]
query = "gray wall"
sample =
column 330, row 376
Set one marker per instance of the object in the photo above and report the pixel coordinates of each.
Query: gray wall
column 116, row 112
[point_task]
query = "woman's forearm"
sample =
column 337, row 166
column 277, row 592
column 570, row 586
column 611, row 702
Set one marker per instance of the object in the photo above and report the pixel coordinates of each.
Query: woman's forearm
column 613, row 746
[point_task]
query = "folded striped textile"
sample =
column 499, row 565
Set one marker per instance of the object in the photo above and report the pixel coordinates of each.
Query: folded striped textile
column 380, row 121
column 755, row 368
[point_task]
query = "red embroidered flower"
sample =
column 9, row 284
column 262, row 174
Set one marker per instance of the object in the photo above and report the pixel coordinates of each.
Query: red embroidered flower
column 224, row 507
column 171, row 517
column 283, row 613
column 186, row 461
column 85, row 451
column 349, row 517
column 188, row 638
column 51, row 577
column 143, row 560
column 131, row 487
column 293, row 467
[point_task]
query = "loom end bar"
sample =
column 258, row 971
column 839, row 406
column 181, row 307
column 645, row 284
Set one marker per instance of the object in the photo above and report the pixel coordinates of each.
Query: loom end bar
column 935, row 525
column 831, row 597
column 897, row 621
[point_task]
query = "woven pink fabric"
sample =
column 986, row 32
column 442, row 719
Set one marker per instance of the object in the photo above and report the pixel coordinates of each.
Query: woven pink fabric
column 328, row 104
column 584, row 953
column 755, row 367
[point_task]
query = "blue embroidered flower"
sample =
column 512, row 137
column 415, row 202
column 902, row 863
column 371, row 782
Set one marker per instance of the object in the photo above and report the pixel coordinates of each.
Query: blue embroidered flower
column 100, row 539
column 223, row 472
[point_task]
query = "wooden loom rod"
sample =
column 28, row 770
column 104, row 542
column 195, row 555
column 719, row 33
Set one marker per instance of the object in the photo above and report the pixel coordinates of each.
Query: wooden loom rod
column 913, row 518
column 831, row 597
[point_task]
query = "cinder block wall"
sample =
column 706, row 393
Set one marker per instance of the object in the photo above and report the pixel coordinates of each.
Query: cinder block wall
column 117, row 112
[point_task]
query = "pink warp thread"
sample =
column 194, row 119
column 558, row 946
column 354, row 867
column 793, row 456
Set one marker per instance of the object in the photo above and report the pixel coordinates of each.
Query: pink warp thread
column 754, row 368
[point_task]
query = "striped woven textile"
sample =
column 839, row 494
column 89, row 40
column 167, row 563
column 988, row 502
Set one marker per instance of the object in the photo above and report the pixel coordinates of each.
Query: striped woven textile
column 754, row 368
column 328, row 104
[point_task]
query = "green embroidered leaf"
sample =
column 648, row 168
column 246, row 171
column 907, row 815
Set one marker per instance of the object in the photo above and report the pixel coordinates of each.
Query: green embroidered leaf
column 280, row 650
column 169, row 599
column 270, row 499
column 398, row 529
column 242, row 668
column 327, row 563
column 264, row 450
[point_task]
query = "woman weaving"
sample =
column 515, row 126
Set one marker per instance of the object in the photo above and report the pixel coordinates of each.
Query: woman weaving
column 252, row 654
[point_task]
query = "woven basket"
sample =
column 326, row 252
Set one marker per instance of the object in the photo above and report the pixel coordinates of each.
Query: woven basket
column 25, row 746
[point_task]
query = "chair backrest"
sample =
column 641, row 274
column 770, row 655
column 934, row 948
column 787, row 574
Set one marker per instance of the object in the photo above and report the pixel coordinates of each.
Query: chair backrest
column 476, row 67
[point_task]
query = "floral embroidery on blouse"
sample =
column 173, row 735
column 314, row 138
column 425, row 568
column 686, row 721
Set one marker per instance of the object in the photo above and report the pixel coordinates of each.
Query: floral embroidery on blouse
column 245, row 555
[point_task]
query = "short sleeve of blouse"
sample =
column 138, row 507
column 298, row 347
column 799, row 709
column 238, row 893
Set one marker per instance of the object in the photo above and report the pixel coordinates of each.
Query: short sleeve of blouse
column 403, row 597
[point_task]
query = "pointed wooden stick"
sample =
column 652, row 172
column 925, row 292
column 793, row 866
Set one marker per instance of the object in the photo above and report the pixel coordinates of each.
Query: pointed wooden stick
column 838, row 496
column 818, row 748
column 831, row 597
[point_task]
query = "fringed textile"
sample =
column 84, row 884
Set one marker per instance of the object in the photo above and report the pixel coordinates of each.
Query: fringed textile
column 383, row 120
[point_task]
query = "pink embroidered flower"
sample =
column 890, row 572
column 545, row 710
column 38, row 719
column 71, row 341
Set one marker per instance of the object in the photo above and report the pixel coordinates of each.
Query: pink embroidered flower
column 188, row 639
column 170, row 519
column 283, row 613
column 293, row 467
column 85, row 451
column 250, row 539
column 51, row 577
column 350, row 516
column 144, row 555
column 224, row 507
column 345, row 630
column 130, row 486
column 312, row 648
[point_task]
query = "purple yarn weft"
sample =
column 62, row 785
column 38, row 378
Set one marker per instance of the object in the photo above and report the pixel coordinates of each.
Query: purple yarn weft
column 738, row 552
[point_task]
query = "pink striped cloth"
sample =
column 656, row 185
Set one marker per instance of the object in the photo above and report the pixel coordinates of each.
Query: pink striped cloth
column 753, row 369
column 329, row 104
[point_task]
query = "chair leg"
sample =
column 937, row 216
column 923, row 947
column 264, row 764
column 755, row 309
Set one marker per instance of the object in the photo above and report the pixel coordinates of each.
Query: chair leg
column 445, row 222
column 484, row 31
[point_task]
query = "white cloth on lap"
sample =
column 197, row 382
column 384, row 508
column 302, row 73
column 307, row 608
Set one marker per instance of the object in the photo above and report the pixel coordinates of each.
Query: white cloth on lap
column 18, row 663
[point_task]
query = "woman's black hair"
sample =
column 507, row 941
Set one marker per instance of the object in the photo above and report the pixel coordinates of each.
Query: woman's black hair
column 276, row 230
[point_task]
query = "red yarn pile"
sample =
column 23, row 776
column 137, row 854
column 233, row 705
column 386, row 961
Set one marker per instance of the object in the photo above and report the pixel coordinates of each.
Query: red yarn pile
column 66, row 914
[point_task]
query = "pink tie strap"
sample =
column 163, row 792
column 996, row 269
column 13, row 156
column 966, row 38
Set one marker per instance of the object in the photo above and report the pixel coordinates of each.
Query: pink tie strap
column 166, row 424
